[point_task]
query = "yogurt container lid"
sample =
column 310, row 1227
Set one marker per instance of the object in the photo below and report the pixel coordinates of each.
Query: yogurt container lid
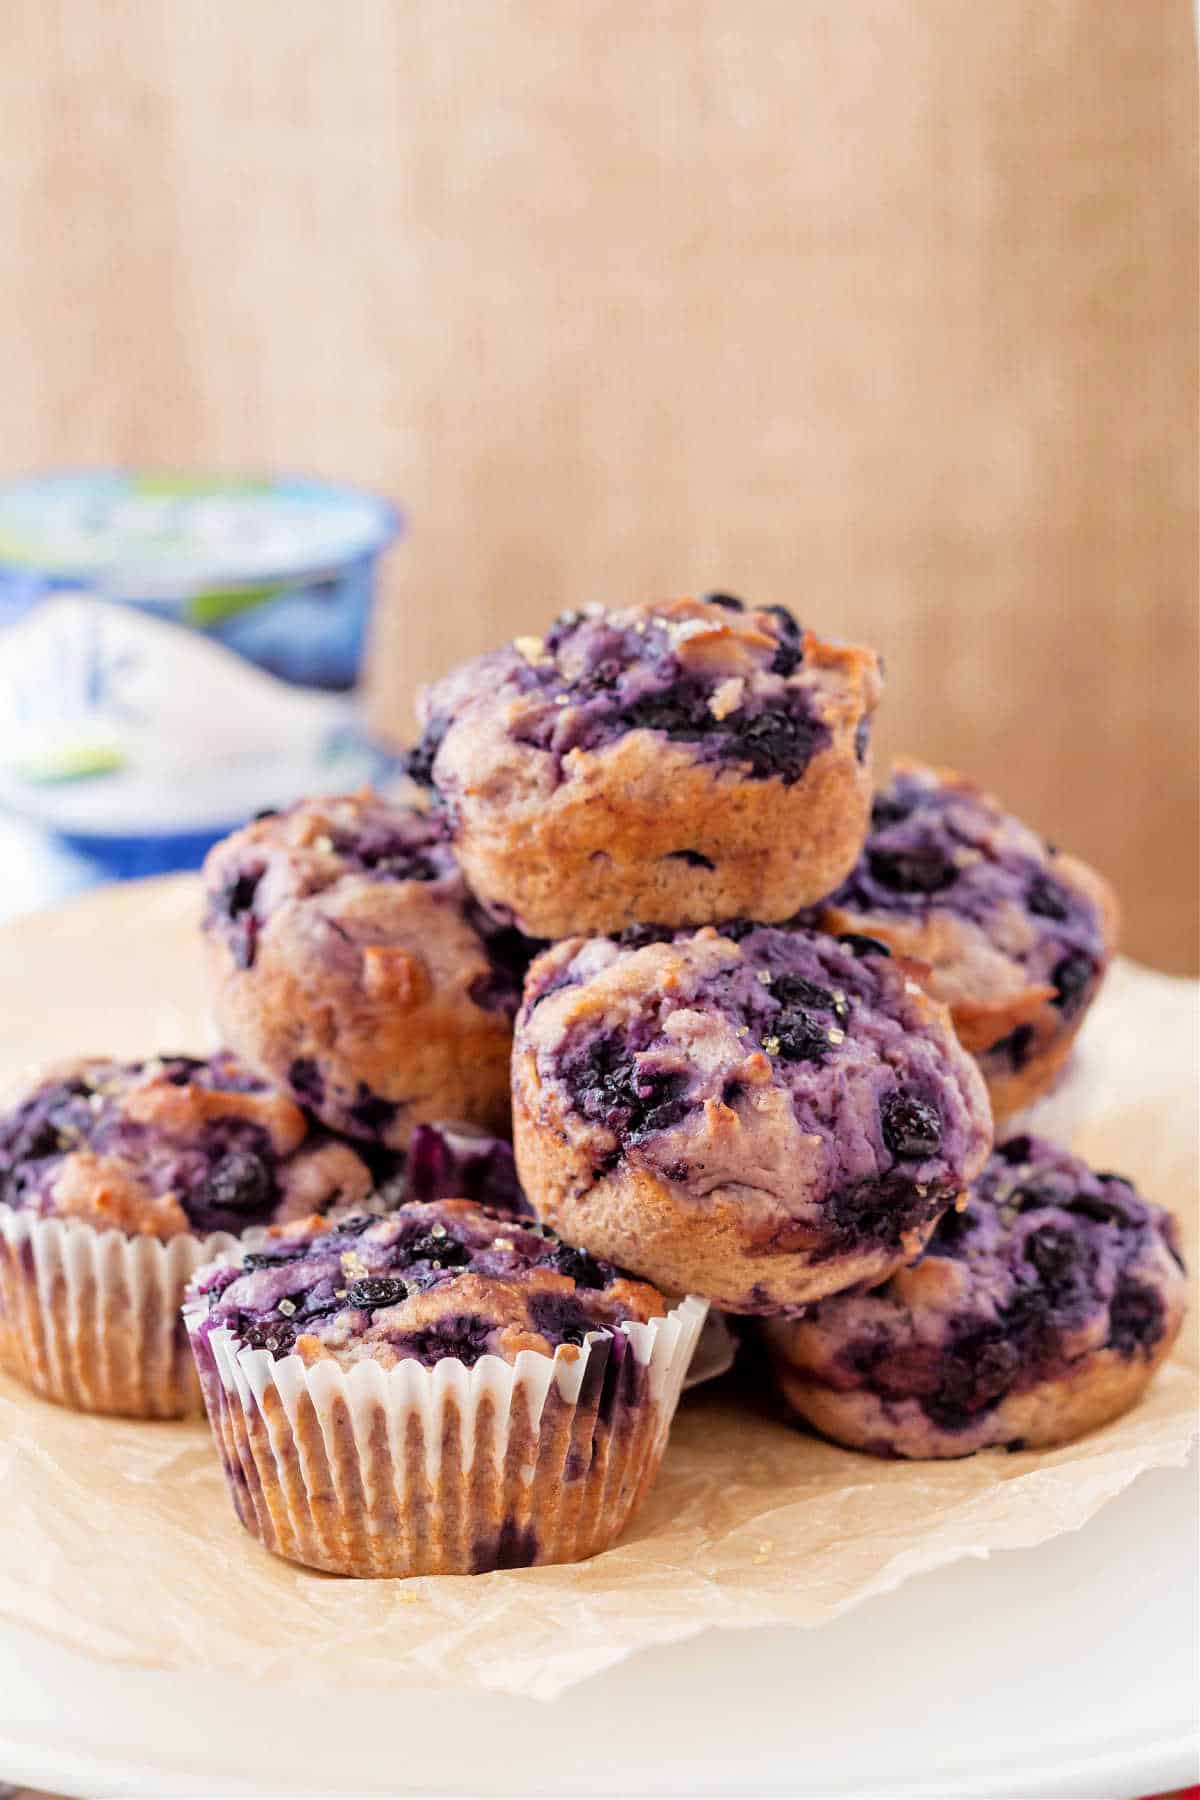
column 142, row 534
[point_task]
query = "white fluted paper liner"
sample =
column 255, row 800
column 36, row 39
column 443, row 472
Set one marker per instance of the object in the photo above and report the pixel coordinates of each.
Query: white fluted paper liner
column 417, row 1470
column 91, row 1319
column 716, row 1352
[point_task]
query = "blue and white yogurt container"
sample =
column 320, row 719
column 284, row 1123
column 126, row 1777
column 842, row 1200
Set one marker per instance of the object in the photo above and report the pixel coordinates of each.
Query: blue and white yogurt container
column 178, row 652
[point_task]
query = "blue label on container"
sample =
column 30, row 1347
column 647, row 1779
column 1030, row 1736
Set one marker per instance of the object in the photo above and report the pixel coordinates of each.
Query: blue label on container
column 175, row 652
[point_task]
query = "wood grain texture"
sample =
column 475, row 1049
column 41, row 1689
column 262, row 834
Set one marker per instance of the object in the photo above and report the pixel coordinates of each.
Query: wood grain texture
column 886, row 310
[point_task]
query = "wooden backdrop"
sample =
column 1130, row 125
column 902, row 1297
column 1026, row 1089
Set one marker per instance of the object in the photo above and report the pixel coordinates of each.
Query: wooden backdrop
column 883, row 308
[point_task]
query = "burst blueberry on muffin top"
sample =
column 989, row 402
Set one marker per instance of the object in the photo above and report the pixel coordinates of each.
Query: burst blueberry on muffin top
column 170, row 1145
column 1007, row 925
column 683, row 761
column 1049, row 1264
column 735, row 689
column 808, row 1081
column 429, row 1281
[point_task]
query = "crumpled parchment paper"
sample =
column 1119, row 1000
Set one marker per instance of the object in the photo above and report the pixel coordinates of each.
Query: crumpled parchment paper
column 118, row 1540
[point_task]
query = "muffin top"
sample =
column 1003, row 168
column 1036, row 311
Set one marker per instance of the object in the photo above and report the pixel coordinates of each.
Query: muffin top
column 1049, row 1260
column 812, row 1075
column 432, row 1280
column 737, row 686
column 338, row 853
column 995, row 906
column 170, row 1145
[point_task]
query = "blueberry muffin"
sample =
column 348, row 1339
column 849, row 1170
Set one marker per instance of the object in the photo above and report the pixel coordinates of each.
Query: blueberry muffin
column 116, row 1181
column 684, row 762
column 762, row 1118
column 351, row 966
column 1016, row 936
column 1040, row 1311
column 441, row 1391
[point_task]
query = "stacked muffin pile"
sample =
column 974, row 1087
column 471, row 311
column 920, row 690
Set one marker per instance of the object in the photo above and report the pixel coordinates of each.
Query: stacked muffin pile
column 751, row 1025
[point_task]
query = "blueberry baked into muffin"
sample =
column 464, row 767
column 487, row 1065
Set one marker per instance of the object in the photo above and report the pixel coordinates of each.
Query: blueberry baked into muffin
column 763, row 1116
column 1017, row 936
column 682, row 762
column 460, row 1162
column 1039, row 1312
column 441, row 1391
column 352, row 967
column 116, row 1181
column 455, row 1162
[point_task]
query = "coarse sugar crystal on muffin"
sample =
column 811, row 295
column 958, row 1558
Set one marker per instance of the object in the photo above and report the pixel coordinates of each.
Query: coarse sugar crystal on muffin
column 351, row 965
column 439, row 1391
column 1039, row 1312
column 762, row 1118
column 116, row 1181
column 1016, row 935
column 684, row 762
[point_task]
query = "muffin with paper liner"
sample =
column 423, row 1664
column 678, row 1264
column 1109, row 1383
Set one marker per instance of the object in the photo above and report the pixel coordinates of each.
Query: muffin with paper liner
column 441, row 1390
column 119, row 1179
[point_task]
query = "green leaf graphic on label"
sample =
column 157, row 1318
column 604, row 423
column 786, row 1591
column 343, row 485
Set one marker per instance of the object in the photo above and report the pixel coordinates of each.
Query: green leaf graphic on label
column 212, row 608
column 82, row 763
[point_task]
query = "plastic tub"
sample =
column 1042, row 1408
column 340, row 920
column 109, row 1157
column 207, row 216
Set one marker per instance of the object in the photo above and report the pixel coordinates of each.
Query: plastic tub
column 178, row 652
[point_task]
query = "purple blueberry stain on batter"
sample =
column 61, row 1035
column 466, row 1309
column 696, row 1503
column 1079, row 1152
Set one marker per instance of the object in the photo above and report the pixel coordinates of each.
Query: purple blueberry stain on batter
column 614, row 1089
column 1014, row 1049
column 464, row 1337
column 789, row 652
column 879, row 1209
column 510, row 953
column 1045, row 897
column 922, row 869
column 37, row 1134
column 369, row 839
column 306, row 1081
column 456, row 1162
column 1072, row 977
column 1050, row 1250
column 362, row 1273
column 595, row 677
column 860, row 944
column 694, row 859
column 224, row 1171
column 812, row 1007
column 515, row 1547
column 1136, row 1318
column 561, row 1318
column 394, row 846
column 370, row 1113
column 584, row 1270
column 937, row 846
column 418, row 761
column 231, row 910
